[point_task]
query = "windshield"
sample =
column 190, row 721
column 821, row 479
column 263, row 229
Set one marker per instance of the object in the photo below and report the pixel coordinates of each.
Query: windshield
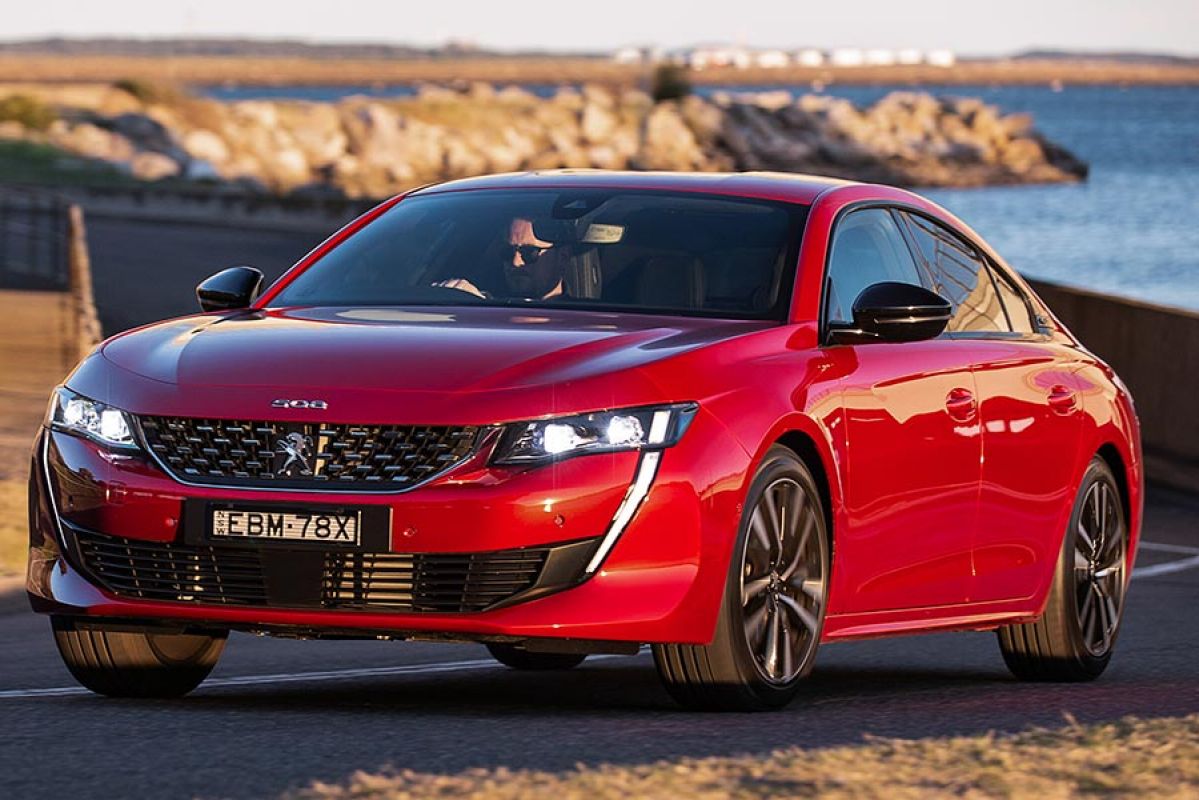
column 638, row 251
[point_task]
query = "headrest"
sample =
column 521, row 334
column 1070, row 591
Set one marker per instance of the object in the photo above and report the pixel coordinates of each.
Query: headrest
column 582, row 278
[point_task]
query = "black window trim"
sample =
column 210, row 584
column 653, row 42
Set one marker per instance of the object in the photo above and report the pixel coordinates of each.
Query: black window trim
column 994, row 272
column 918, row 253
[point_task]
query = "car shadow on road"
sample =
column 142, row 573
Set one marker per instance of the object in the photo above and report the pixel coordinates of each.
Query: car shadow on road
column 630, row 687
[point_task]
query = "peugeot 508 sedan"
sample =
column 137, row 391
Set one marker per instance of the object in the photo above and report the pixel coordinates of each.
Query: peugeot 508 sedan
column 729, row 416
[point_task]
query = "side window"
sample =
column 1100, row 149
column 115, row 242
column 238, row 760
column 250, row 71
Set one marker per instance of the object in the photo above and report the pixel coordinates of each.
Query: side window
column 960, row 276
column 1015, row 303
column 867, row 249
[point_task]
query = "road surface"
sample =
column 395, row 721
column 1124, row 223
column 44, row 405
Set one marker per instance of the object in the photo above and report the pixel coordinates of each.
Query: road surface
column 278, row 714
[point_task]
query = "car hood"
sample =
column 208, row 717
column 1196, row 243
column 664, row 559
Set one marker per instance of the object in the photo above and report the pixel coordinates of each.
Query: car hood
column 315, row 353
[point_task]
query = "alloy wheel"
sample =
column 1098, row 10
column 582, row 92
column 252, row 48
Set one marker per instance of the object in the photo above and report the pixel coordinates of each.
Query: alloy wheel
column 783, row 581
column 1099, row 568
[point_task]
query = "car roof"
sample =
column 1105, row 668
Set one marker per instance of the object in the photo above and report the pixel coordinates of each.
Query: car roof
column 783, row 186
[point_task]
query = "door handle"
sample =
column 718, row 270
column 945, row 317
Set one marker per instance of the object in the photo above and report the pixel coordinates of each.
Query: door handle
column 1063, row 399
column 960, row 404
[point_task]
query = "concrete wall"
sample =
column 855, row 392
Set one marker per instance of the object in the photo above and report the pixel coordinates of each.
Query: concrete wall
column 1155, row 350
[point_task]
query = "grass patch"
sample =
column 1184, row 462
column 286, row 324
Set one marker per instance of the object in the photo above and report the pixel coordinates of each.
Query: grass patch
column 14, row 532
column 34, row 162
column 29, row 111
column 1129, row 758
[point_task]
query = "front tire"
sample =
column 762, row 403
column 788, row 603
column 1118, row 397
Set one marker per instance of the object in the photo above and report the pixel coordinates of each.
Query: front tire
column 139, row 664
column 519, row 659
column 772, row 614
column 1073, row 640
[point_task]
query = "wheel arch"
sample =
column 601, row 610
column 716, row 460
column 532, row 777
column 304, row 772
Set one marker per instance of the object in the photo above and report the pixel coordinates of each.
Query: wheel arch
column 1111, row 456
column 806, row 449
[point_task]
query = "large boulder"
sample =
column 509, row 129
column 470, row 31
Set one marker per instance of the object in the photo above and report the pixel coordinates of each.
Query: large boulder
column 145, row 132
column 206, row 145
column 597, row 122
column 150, row 166
column 91, row 141
column 668, row 143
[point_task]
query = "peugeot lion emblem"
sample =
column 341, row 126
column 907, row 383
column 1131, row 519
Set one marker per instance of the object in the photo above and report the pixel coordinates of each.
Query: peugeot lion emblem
column 296, row 448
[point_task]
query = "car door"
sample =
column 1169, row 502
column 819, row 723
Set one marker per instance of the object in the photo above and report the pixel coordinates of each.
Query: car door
column 1029, row 410
column 911, row 440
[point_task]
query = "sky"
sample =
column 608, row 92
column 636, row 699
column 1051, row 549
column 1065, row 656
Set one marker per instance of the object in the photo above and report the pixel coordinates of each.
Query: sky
column 966, row 26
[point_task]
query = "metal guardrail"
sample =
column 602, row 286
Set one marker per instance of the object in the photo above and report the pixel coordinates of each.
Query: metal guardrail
column 34, row 240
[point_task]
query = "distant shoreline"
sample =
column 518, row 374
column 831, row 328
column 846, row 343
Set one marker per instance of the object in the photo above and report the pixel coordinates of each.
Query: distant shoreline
column 273, row 71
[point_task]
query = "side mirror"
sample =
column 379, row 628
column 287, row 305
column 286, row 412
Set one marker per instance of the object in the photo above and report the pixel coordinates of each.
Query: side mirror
column 232, row 288
column 896, row 312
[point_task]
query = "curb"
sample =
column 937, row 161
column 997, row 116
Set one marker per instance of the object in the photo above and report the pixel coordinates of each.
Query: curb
column 86, row 318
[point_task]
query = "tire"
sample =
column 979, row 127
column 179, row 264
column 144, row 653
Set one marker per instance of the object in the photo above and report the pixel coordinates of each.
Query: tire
column 136, row 664
column 741, row 670
column 1074, row 639
column 516, row 658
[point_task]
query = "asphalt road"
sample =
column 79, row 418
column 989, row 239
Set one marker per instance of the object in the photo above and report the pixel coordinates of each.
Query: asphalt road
column 145, row 271
column 279, row 714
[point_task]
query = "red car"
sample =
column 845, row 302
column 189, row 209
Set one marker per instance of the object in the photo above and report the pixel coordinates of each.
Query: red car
column 729, row 416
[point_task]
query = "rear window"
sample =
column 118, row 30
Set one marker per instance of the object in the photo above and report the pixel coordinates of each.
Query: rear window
column 961, row 277
column 652, row 252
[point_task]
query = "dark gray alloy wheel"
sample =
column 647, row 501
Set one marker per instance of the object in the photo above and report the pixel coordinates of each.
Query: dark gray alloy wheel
column 1099, row 555
column 131, row 663
column 782, row 582
column 773, row 611
column 1074, row 639
column 516, row 658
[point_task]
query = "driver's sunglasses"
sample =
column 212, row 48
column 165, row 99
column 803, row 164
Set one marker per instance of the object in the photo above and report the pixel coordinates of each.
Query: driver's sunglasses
column 528, row 252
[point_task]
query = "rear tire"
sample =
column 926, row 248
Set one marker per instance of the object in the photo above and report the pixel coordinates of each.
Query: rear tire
column 136, row 664
column 1073, row 640
column 516, row 658
column 772, row 614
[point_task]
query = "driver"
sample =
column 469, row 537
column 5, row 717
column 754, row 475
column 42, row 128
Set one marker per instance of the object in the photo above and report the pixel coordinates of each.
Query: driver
column 533, row 268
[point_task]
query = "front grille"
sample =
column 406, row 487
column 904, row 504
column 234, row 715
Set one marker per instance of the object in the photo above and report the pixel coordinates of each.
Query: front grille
column 160, row 571
column 305, row 455
column 285, row 578
column 452, row 582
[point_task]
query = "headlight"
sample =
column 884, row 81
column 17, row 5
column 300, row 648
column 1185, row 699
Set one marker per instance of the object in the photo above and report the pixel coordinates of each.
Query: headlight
column 649, row 428
column 74, row 413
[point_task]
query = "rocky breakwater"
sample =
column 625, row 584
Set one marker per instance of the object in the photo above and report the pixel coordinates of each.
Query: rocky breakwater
column 363, row 147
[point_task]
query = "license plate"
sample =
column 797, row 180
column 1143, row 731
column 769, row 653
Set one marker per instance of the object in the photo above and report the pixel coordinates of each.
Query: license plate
column 313, row 527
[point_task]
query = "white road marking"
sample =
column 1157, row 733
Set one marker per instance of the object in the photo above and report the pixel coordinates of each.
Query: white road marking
column 298, row 677
column 1169, row 548
column 1168, row 568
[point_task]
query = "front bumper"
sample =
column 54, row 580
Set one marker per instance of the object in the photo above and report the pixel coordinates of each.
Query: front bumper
column 662, row 580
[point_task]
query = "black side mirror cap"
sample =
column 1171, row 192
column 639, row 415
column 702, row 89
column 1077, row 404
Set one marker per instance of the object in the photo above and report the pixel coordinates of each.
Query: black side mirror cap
column 896, row 312
column 233, row 288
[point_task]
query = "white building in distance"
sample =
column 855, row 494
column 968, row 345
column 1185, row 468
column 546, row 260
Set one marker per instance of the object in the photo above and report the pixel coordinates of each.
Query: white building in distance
column 712, row 57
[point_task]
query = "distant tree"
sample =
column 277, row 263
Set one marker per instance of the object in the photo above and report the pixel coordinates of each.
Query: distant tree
column 670, row 82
